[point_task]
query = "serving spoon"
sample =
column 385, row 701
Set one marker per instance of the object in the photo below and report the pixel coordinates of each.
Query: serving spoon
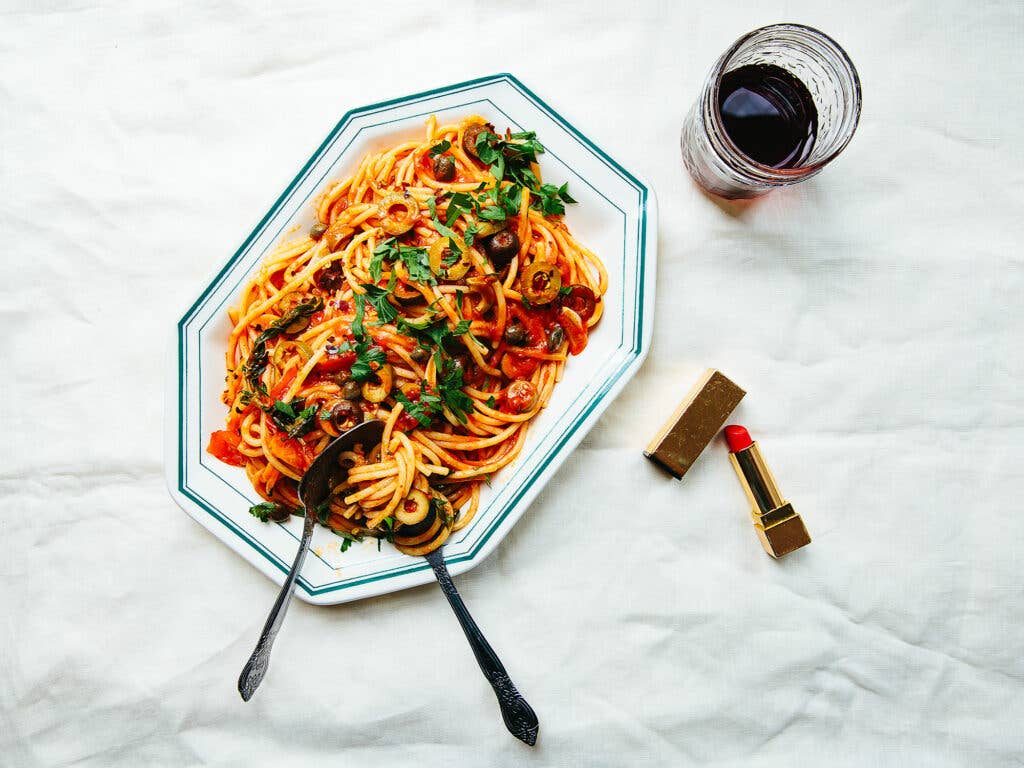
column 314, row 488
column 518, row 715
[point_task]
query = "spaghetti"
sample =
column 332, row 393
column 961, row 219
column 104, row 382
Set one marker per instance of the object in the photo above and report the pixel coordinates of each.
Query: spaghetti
column 438, row 290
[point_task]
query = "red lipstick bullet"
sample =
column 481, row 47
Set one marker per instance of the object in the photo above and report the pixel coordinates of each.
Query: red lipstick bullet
column 779, row 527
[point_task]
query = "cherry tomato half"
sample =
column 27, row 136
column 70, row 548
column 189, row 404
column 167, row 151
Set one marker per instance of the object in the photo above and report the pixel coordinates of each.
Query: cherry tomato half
column 224, row 446
column 334, row 363
column 291, row 450
column 520, row 397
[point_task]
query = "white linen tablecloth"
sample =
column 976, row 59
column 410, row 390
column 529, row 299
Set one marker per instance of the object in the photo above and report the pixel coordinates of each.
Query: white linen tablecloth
column 874, row 314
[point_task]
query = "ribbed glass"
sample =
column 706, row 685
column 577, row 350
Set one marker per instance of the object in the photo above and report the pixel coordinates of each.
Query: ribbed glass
column 718, row 165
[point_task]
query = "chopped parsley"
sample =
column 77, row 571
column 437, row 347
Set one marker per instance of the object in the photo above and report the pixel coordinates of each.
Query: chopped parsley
column 366, row 357
column 424, row 409
column 550, row 200
column 415, row 259
column 347, row 539
column 449, row 388
column 443, row 228
column 377, row 297
column 293, row 417
column 510, row 158
column 263, row 511
column 438, row 149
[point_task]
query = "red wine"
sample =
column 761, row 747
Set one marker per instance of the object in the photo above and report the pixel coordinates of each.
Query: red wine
column 769, row 114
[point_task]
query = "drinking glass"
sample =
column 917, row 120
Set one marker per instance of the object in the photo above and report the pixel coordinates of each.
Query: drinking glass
column 814, row 58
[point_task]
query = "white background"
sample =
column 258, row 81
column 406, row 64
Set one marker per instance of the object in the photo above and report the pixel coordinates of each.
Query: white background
column 873, row 314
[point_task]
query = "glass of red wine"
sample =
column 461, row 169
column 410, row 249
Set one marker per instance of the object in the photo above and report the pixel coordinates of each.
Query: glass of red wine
column 776, row 108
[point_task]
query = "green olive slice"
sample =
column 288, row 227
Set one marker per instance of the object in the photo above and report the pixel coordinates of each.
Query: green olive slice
column 541, row 282
column 413, row 509
column 398, row 214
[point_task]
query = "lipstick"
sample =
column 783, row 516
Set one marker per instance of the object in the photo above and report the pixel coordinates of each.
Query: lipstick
column 779, row 527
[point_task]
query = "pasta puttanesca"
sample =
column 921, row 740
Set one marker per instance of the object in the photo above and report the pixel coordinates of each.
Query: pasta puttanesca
column 439, row 291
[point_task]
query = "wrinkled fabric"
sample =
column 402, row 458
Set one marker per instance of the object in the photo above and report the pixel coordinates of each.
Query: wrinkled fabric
column 873, row 314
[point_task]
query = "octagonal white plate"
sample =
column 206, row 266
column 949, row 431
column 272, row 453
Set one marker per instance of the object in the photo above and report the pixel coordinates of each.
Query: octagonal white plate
column 616, row 216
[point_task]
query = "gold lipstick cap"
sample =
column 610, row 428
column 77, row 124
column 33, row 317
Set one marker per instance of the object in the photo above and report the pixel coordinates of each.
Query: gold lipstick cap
column 780, row 529
column 694, row 423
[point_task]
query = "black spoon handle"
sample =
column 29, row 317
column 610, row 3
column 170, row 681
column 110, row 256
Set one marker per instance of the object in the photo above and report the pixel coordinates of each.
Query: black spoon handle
column 518, row 715
column 256, row 667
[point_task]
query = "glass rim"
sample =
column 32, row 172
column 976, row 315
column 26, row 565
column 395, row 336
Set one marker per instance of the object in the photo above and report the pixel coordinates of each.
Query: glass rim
column 718, row 71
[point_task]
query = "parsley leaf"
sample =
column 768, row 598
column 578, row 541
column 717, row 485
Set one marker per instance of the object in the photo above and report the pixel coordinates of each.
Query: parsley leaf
column 293, row 417
column 449, row 388
column 417, row 263
column 263, row 511
column 381, row 252
column 550, row 200
column 378, row 299
column 491, row 402
column 347, row 539
column 443, row 229
column 366, row 356
column 434, row 332
column 358, row 330
column 510, row 158
column 418, row 411
column 286, row 408
column 437, row 149
column 493, row 213
column 415, row 259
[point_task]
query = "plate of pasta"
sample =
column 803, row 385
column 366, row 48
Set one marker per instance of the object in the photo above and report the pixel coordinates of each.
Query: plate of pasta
column 462, row 265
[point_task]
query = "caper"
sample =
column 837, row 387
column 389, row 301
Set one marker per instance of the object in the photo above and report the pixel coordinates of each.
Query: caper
column 317, row 230
column 556, row 337
column 515, row 335
column 501, row 247
column 420, row 354
column 351, row 390
column 444, row 167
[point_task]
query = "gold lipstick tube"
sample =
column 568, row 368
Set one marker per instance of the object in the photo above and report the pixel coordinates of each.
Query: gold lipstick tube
column 779, row 527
